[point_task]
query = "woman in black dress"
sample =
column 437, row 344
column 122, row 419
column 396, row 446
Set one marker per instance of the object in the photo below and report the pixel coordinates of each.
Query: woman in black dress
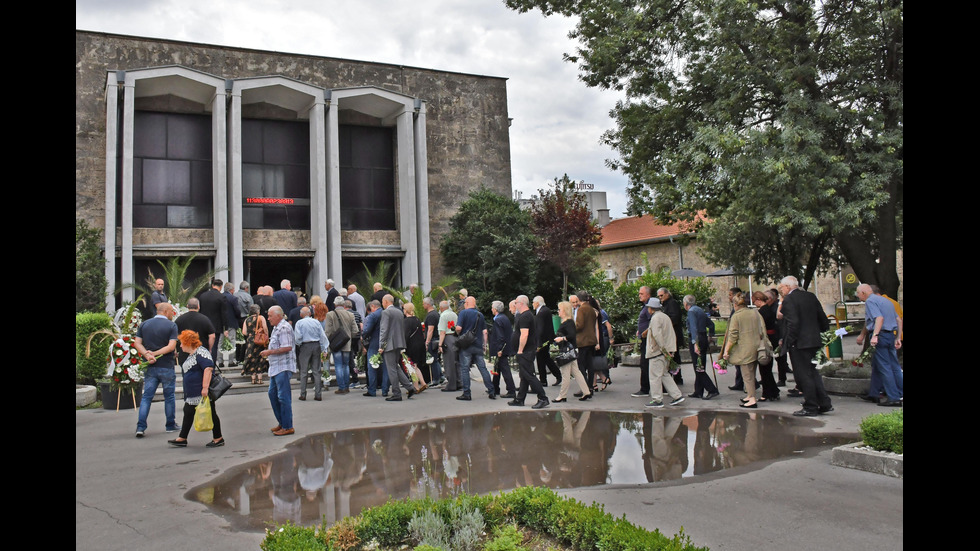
column 415, row 341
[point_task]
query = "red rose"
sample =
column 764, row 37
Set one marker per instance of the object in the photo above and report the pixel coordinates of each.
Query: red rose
column 117, row 379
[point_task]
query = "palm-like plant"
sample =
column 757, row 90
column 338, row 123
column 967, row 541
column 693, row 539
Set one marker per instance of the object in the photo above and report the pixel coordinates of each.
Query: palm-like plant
column 175, row 275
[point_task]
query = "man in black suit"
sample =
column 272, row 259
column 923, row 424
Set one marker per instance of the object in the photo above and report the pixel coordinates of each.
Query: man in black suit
column 545, row 330
column 213, row 304
column 804, row 320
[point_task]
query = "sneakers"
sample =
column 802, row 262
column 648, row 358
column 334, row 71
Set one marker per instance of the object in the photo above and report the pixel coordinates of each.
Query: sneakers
column 655, row 404
column 677, row 401
column 640, row 394
column 173, row 429
column 139, row 434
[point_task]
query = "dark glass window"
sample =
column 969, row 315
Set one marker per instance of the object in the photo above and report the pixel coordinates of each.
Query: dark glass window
column 275, row 175
column 367, row 178
column 172, row 182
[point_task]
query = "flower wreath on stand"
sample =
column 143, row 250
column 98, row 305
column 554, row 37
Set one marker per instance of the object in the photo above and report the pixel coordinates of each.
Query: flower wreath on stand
column 126, row 367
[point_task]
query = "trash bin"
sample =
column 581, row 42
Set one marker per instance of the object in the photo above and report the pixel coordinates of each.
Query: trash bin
column 835, row 349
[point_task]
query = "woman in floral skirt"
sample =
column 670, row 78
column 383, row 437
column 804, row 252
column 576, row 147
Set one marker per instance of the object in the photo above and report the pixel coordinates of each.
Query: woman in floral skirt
column 255, row 364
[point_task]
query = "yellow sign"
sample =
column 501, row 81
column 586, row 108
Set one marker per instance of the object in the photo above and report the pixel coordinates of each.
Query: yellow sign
column 851, row 278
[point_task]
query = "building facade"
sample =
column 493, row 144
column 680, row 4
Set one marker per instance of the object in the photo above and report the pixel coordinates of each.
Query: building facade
column 268, row 165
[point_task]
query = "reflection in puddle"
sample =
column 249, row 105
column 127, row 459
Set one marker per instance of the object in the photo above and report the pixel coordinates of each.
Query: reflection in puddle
column 337, row 474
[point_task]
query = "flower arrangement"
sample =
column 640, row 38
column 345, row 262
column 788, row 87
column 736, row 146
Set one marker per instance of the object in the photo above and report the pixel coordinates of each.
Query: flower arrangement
column 126, row 366
column 128, row 318
column 864, row 357
column 826, row 338
column 410, row 369
column 375, row 360
column 451, row 325
column 721, row 366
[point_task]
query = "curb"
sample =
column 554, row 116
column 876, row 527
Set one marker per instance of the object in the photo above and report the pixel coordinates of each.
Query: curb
column 858, row 456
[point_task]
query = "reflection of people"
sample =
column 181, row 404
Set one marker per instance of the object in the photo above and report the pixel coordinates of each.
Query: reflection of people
column 196, row 371
column 156, row 340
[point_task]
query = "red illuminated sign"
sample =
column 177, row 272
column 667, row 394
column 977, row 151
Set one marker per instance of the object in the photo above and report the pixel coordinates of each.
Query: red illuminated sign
column 269, row 200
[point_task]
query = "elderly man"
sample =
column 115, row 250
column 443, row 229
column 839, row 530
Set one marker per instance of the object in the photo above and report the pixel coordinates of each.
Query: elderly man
column 545, row 328
column 881, row 321
column 524, row 341
column 673, row 311
column 501, row 349
column 332, row 294
column 661, row 345
column 293, row 315
column 214, row 306
column 156, row 340
column 244, row 298
column 285, row 297
column 447, row 347
column 311, row 344
column 341, row 322
column 282, row 362
column 697, row 327
column 432, row 341
column 471, row 320
column 371, row 340
column 359, row 305
column 642, row 323
column 804, row 320
column 391, row 346
column 379, row 292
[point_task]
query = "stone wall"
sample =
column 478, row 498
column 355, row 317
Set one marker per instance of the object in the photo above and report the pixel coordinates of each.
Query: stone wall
column 468, row 140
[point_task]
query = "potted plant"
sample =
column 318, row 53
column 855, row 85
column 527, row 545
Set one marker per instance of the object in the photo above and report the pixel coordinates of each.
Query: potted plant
column 227, row 352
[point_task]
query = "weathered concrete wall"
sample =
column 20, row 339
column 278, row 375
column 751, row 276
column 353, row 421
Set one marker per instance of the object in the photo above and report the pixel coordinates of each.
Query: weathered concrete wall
column 468, row 138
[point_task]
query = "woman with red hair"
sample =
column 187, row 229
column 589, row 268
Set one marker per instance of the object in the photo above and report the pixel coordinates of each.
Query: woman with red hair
column 196, row 370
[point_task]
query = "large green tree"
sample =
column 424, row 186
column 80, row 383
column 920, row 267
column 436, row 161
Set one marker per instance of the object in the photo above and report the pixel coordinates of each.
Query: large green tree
column 781, row 121
column 490, row 248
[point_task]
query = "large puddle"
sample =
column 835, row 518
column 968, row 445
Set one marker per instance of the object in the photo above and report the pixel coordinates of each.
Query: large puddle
column 337, row 474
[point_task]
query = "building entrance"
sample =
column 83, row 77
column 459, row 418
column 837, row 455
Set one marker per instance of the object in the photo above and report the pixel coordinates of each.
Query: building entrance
column 261, row 271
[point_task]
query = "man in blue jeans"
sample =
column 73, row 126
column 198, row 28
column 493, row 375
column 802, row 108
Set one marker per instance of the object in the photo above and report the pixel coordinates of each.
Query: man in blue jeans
column 470, row 319
column 882, row 323
column 282, row 364
column 156, row 340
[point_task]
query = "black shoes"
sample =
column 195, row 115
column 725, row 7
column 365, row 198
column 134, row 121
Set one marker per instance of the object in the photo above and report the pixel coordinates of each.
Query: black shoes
column 492, row 396
column 692, row 395
column 393, row 399
column 556, row 383
column 577, row 395
column 411, row 392
column 891, row 403
column 584, row 398
column 213, row 444
column 510, row 395
column 736, row 387
column 541, row 403
column 466, row 397
column 794, row 392
column 827, row 409
column 806, row 413
column 753, row 406
column 449, row 390
column 515, row 403
column 369, row 394
column 560, row 400
column 711, row 395
column 867, row 398
column 178, row 443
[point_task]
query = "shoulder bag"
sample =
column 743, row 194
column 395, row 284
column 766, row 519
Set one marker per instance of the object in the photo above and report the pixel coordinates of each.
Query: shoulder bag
column 261, row 333
column 219, row 385
column 339, row 337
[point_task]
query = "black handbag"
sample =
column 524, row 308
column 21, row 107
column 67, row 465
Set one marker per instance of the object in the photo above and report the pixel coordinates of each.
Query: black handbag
column 338, row 338
column 466, row 340
column 219, row 385
column 567, row 353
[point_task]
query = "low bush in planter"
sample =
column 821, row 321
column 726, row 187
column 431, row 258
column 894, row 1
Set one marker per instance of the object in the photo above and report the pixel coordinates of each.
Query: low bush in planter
column 884, row 431
column 508, row 518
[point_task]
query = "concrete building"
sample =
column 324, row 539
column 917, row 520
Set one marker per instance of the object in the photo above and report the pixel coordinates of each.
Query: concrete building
column 271, row 165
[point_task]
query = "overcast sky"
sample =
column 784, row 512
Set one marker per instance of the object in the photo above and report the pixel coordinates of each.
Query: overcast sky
column 557, row 119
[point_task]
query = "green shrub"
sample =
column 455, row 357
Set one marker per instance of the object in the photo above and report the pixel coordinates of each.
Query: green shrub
column 92, row 367
column 90, row 280
column 428, row 529
column 883, row 431
column 289, row 537
column 571, row 523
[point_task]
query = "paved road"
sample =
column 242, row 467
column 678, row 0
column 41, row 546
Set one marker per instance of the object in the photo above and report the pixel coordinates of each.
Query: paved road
column 129, row 493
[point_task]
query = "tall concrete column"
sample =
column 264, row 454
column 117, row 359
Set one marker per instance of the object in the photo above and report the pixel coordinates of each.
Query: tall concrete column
column 406, row 197
column 111, row 137
column 126, row 273
column 219, row 183
column 319, row 233
column 333, row 262
column 235, row 240
column 422, row 199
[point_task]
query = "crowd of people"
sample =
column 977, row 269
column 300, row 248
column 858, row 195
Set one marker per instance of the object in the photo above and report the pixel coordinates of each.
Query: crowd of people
column 288, row 337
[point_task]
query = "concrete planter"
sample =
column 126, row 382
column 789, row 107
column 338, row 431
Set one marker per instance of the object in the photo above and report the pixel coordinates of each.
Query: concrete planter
column 846, row 386
column 632, row 360
column 85, row 395
column 857, row 456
